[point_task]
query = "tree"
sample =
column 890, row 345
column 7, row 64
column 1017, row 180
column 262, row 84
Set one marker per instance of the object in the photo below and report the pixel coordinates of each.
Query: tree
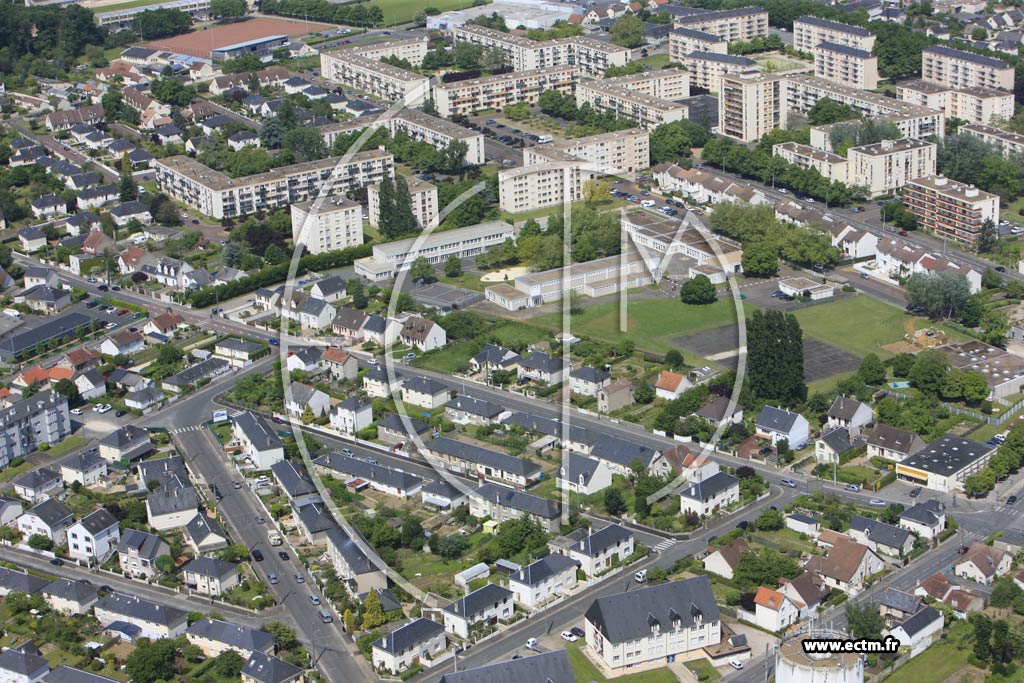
column 165, row 563
column 284, row 636
column 308, row 417
column 988, row 237
column 229, row 663
column 67, row 388
column 770, row 520
column 453, row 266
column 305, row 144
column 674, row 359
column 152, row 660
column 172, row 91
column 864, row 620
column 160, row 23
column 775, row 357
column 826, row 110
column 891, row 514
column 929, row 372
column 358, row 294
column 596, row 191
column 644, row 393
column 128, row 190
column 227, row 9
column 764, row 568
column 373, row 613
column 698, row 291
column 40, row 542
column 614, row 501
column 1001, row 651
column 350, row 621
column 760, row 260
column 386, row 208
column 628, row 31
column 940, row 295
column 673, row 142
column 872, row 370
column 404, row 219
column 982, row 635
column 421, row 269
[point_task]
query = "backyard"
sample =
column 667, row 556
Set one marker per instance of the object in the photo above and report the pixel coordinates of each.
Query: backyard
column 585, row 670
column 940, row 661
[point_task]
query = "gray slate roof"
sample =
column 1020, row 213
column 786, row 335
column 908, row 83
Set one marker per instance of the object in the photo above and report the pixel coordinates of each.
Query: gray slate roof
column 356, row 467
column 264, row 669
column 71, row 590
column 211, row 567
column 52, row 512
column 544, row 568
column 138, row 608
column 483, row 456
column 904, row 602
column 258, row 431
column 147, row 545
column 479, row 600
column 776, row 419
column 919, row 621
column 710, row 487
column 880, row 532
column 549, row 667
column 98, row 521
column 928, row 512
column 294, row 480
column 409, row 635
column 22, row 663
column 517, row 500
column 629, row 616
column 21, row 581
column 233, row 635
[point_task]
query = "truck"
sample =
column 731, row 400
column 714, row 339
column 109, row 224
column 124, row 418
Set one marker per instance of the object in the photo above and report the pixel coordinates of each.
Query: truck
column 545, row 138
column 275, row 538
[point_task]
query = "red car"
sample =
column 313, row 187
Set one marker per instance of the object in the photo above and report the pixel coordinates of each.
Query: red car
column 903, row 233
column 962, row 549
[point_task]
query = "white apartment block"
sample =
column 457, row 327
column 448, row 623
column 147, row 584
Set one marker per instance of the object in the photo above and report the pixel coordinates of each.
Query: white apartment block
column 683, row 41
column 742, row 24
column 599, row 277
column 749, row 106
column 219, row 196
column 647, row 98
column 390, row 258
column 830, row 166
column 390, row 83
column 413, row 50
column 437, row 132
column 950, row 209
column 495, row 92
column 334, row 223
column 809, row 32
column 1009, row 143
column 707, row 68
column 974, row 105
column 424, row 201
column 622, row 151
column 889, row 165
column 552, row 183
column 592, row 57
column 31, row 422
column 958, row 69
column 848, row 65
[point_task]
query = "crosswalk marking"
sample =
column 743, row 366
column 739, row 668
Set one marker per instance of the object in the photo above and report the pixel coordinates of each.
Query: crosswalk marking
column 182, row 430
column 664, row 545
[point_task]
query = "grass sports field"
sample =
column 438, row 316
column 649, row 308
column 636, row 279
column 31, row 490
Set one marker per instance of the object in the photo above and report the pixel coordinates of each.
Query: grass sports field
column 401, row 11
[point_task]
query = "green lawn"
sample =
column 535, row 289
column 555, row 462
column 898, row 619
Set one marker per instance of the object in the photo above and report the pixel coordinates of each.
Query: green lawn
column 586, row 671
column 466, row 281
column 938, row 662
column 859, row 324
column 651, row 323
column 705, row 672
column 449, row 359
column 401, row 11
column 12, row 472
column 66, row 446
column 656, row 61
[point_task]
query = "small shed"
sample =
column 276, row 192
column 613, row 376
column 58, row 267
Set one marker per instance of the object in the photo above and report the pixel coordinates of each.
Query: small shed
column 477, row 571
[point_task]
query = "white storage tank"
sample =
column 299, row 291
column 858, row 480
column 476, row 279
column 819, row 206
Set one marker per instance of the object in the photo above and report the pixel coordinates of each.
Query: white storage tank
column 793, row 665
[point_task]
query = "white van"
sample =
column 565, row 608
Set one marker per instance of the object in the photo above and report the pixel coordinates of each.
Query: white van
column 640, row 576
column 545, row 138
column 14, row 313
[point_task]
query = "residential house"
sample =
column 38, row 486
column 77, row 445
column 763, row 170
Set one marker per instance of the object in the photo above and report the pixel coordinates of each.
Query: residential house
column 352, row 415
column 214, row 637
column 807, row 591
column 583, row 475
column 716, row 412
column 305, row 358
column 70, row 597
column 501, row 504
column 777, row 424
column 681, row 461
column 137, row 553
column 894, row 606
column 416, row 642
column 615, row 396
column 90, row 384
column 830, row 447
column 32, row 239
column 422, row 334
column 469, row 459
column 670, row 385
column 595, row 552
column 171, row 507
column 94, row 538
column 723, row 560
column 153, row 620
column 10, row 510
column 493, row 357
column 125, row 213
column 394, row 429
column 38, row 485
column 300, row 396
column 638, row 630
column 706, row 497
column 296, row 483
column 850, row 414
column 588, row 381
column 127, row 444
column 773, row 610
column 466, row 410
column 348, row 324
column 124, row 342
column 240, row 353
column 205, row 534
column 982, row 563
column 847, row 566
column 549, row 667
column 45, row 300
column 926, row 519
column 258, row 440
column 892, row 443
column 210, row 576
column 261, row 668
column 547, row 579
column 542, row 367
column 378, row 384
column 338, row 363
column 482, row 608
column 425, row 393
column 331, row 289
column 802, row 524
column 165, row 323
column 22, row 665
column 920, row 630
column 352, row 565
column 885, row 539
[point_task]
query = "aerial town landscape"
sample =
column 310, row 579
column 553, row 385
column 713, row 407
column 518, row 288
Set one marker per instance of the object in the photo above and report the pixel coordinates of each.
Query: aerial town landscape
column 511, row 341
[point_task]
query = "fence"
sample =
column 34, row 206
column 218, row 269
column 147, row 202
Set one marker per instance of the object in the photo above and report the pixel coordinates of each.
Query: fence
column 995, row 420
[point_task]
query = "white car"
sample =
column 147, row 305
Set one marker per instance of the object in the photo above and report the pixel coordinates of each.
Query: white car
column 371, row 361
column 648, row 203
column 569, row 636
column 111, row 326
column 105, row 408
column 531, row 643
column 640, row 576
column 736, row 664
column 76, row 411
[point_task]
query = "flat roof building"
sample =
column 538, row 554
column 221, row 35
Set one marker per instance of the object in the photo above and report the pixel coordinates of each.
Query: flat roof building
column 552, row 183
column 974, row 105
column 707, row 68
column 887, row 166
column 621, row 151
column 649, row 98
column 591, row 56
column 950, row 209
column 333, row 223
column 220, row 196
column 1009, row 143
column 497, row 91
column 959, row 69
column 830, row 166
column 845, row 64
column 683, row 41
column 810, row 31
column 945, row 464
column 424, row 202
column 390, row 83
column 742, row 24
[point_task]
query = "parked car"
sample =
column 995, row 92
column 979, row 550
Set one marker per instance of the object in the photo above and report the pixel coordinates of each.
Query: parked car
column 272, row 578
column 315, row 600
column 788, row 482
column 76, row 411
column 736, row 664
column 299, row 578
column 852, row 487
column 569, row 636
column 283, row 555
column 915, row 492
column 57, row 562
column 260, row 519
column 640, row 576
column 577, row 631
column 531, row 643
column 257, row 555
column 1011, row 500
column 877, row 503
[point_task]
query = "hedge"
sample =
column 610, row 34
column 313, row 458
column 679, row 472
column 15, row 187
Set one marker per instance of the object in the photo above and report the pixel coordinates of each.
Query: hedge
column 209, row 296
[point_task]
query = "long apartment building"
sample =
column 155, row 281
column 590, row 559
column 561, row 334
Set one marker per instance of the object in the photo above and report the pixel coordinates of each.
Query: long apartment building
column 433, row 130
column 845, row 64
column 752, row 105
column 683, row 41
column 552, row 183
column 372, row 76
column 328, row 225
column 958, row 69
column 412, row 50
column 622, row 151
column 424, row 201
column 592, row 57
column 27, row 424
column 809, row 32
column 950, row 209
column 707, row 68
column 889, row 165
column 500, row 90
column 975, row 105
column 829, row 165
column 732, row 25
column 220, row 196
column 124, row 17
column 1009, row 143
column 649, row 98
column 390, row 258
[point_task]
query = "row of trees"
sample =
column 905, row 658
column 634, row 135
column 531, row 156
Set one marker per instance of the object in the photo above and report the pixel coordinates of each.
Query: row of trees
column 161, row 23
column 395, row 217
column 775, row 357
column 353, row 13
column 969, row 159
